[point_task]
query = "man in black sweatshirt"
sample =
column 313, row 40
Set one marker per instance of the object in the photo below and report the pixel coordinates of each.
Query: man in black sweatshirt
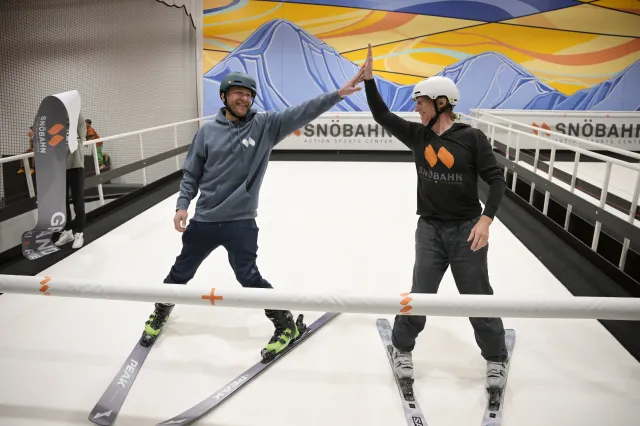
column 452, row 227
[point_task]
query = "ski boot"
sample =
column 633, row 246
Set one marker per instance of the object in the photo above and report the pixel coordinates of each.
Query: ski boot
column 496, row 375
column 154, row 325
column 287, row 331
column 403, row 368
column 496, row 379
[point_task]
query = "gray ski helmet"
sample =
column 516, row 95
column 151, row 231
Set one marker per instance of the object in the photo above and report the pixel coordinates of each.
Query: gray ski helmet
column 238, row 79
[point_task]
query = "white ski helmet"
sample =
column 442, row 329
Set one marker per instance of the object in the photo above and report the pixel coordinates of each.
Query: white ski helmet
column 434, row 87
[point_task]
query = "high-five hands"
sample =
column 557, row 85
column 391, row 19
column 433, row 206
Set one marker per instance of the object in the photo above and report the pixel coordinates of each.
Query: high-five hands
column 351, row 88
column 367, row 67
column 365, row 73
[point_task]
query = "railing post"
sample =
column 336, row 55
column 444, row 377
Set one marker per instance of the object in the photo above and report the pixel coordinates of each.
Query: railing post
column 175, row 144
column 28, row 177
column 547, row 194
column 507, row 154
column 517, row 158
column 144, row 169
column 574, row 176
column 96, row 165
column 631, row 219
column 535, row 170
column 603, row 202
column 493, row 136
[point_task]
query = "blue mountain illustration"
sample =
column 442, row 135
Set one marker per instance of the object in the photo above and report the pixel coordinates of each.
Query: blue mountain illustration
column 292, row 66
column 492, row 80
column 620, row 93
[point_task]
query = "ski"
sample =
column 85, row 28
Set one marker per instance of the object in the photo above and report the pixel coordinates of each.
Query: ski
column 412, row 410
column 197, row 411
column 495, row 398
column 104, row 413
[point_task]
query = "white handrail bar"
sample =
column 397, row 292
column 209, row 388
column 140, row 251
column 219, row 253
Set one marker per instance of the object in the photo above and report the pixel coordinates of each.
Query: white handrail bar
column 528, row 112
column 150, row 129
column 573, row 148
column 575, row 138
column 109, row 138
column 16, row 157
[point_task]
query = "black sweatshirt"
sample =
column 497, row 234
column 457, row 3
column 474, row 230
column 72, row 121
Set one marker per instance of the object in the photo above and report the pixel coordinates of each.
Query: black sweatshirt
column 448, row 165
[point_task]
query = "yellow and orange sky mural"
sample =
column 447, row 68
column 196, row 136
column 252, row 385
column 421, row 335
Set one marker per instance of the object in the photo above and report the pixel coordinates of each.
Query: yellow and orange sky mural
column 571, row 48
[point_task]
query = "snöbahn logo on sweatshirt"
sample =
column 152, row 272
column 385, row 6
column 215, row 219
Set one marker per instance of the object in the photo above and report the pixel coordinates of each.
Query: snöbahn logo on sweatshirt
column 444, row 157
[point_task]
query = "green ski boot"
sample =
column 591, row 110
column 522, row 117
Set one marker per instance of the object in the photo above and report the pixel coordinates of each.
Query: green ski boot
column 154, row 325
column 287, row 331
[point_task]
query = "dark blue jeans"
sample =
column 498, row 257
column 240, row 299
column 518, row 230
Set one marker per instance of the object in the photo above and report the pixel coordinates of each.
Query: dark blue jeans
column 438, row 246
column 239, row 238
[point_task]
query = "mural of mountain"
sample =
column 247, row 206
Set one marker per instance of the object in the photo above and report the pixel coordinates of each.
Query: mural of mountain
column 291, row 66
column 620, row 93
column 491, row 80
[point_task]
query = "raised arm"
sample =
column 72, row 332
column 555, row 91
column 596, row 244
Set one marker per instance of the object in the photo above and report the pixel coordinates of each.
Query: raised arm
column 284, row 122
column 192, row 170
column 403, row 130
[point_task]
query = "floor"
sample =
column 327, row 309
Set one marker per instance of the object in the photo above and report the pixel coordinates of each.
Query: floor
column 330, row 226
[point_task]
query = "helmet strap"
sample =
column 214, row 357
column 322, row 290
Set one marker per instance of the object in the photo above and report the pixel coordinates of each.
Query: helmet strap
column 435, row 117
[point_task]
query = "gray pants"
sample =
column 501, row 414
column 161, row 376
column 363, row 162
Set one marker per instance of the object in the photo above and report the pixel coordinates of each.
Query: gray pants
column 438, row 245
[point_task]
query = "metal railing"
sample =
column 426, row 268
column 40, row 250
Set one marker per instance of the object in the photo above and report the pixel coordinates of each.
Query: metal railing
column 92, row 143
column 600, row 214
column 578, row 141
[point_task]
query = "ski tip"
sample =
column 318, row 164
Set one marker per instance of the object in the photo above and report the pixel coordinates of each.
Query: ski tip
column 382, row 321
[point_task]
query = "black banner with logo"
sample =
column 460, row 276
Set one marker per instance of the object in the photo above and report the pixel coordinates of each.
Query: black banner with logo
column 50, row 138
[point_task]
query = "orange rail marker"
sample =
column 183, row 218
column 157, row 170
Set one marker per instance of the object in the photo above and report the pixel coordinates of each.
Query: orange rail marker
column 44, row 285
column 211, row 297
column 405, row 301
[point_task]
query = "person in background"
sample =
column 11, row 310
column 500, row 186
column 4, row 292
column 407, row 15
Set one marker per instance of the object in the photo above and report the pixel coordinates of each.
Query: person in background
column 31, row 165
column 74, row 230
column 92, row 134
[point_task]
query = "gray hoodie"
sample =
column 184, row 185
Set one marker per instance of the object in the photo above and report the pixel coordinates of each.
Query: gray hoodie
column 227, row 160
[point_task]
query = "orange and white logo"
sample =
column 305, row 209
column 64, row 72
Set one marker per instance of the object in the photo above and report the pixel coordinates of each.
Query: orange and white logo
column 406, row 299
column 544, row 126
column 54, row 131
column 443, row 155
column 44, row 287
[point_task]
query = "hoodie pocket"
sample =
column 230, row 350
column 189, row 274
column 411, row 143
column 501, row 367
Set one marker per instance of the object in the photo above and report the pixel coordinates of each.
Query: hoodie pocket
column 230, row 198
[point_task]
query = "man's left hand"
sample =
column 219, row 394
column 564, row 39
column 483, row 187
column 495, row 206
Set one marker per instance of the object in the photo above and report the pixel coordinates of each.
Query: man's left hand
column 480, row 233
column 352, row 85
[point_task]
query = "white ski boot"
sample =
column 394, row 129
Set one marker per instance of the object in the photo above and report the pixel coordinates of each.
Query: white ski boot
column 402, row 364
column 496, row 374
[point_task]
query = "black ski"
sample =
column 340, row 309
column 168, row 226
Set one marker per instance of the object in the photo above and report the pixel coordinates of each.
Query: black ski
column 197, row 411
column 106, row 410
column 495, row 398
column 412, row 410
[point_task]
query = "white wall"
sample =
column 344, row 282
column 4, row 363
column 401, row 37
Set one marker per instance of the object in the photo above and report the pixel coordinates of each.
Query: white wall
column 133, row 61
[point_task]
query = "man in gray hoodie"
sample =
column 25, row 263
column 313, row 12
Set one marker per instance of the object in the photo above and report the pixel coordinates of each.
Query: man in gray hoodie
column 226, row 162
